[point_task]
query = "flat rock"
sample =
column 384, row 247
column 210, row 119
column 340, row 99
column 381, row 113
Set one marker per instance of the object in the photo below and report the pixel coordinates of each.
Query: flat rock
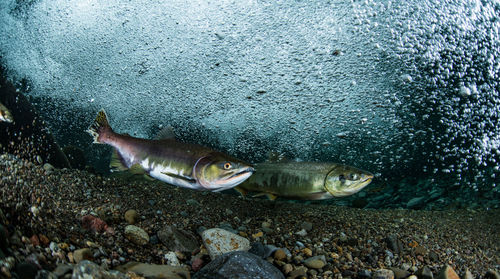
column 399, row 273
column 136, row 235
column 219, row 241
column 87, row 269
column 241, row 265
column 383, row 274
column 155, row 271
column 178, row 240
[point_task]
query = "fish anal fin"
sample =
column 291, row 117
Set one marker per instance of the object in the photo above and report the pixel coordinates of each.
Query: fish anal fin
column 270, row 196
column 165, row 133
column 117, row 162
column 240, row 190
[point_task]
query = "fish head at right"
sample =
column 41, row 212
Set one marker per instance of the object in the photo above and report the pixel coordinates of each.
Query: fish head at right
column 217, row 171
column 344, row 180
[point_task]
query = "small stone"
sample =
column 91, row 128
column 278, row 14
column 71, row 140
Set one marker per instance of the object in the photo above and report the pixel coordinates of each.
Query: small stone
column 447, row 272
column 394, row 243
column 172, row 259
column 136, row 235
column 301, row 232
column 491, row 274
column 95, row 224
column 424, row 273
column 364, row 273
column 306, row 226
column 308, row 252
column 82, row 254
column 314, row 262
column 298, row 273
column 192, row 202
column 433, row 256
column 415, row 203
column 197, row 263
column 287, row 268
column 62, row 269
column 420, row 250
column 257, row 235
column 383, row 274
column 48, row 168
column 399, row 273
column 468, row 274
column 412, row 277
column 131, row 216
column 279, row 255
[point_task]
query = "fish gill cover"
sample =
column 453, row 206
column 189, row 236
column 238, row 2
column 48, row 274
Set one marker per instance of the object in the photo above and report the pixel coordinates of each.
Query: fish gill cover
column 400, row 88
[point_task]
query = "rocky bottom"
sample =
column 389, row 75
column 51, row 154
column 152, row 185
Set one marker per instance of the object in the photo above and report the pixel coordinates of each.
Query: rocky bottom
column 61, row 223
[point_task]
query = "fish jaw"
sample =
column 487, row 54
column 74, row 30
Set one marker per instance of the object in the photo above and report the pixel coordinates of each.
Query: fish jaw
column 344, row 181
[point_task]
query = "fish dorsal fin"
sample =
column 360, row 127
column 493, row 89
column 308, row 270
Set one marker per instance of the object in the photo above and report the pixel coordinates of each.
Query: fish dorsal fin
column 275, row 157
column 166, row 133
column 117, row 162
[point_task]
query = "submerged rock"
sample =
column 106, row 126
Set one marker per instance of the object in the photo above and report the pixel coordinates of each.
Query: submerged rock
column 87, row 269
column 241, row 265
column 447, row 272
column 136, row 235
column 155, row 271
column 219, row 241
column 178, row 240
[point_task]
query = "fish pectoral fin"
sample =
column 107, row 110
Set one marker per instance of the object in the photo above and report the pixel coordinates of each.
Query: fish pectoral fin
column 137, row 169
column 116, row 163
column 240, row 190
column 148, row 177
column 268, row 195
column 176, row 176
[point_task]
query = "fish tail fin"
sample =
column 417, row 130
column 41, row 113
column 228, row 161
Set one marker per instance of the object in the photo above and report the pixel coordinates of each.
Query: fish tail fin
column 100, row 127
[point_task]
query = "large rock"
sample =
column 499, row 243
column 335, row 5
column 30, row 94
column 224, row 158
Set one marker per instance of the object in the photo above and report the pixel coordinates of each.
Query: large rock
column 87, row 269
column 219, row 241
column 155, row 271
column 239, row 265
column 178, row 240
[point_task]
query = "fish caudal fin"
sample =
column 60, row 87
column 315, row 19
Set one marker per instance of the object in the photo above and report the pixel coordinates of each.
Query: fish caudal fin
column 99, row 127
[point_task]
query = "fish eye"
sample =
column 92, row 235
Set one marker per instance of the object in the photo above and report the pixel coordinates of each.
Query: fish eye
column 342, row 178
column 227, row 166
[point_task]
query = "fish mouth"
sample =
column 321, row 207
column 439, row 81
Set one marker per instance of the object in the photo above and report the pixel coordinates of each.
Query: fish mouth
column 242, row 172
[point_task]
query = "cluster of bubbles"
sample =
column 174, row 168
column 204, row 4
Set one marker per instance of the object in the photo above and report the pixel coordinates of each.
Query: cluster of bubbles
column 389, row 86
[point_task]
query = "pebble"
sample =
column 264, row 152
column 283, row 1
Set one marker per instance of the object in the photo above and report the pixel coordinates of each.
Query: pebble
column 219, row 241
column 82, row 254
column 308, row 252
column 131, row 216
column 306, row 226
column 301, row 232
column 136, row 235
column 447, row 272
column 383, row 274
column 287, row 268
column 172, row 259
column 424, row 273
column 279, row 255
column 314, row 262
column 468, row 274
column 400, row 273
